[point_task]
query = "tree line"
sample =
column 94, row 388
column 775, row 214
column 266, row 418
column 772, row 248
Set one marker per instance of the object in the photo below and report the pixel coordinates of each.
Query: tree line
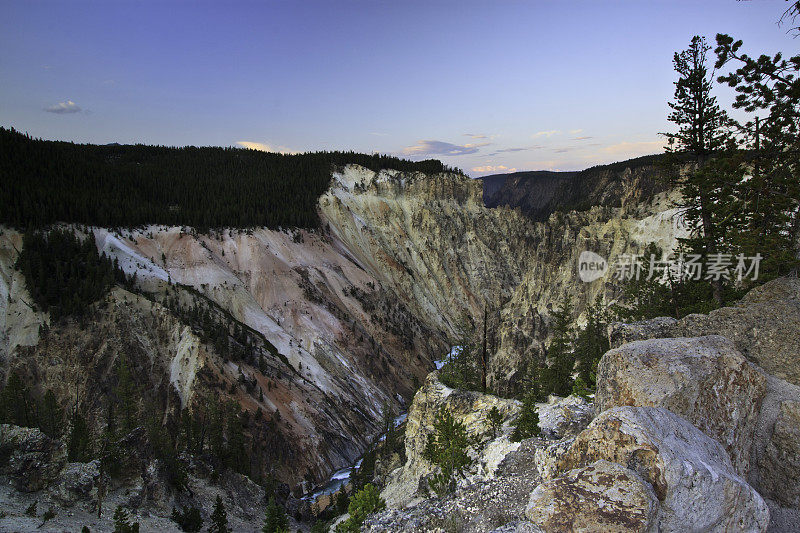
column 45, row 182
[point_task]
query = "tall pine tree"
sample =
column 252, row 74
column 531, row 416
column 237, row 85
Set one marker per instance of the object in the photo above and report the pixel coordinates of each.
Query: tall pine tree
column 556, row 376
column 702, row 134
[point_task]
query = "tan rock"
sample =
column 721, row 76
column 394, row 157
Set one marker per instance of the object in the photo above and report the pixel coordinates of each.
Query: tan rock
column 691, row 473
column 602, row 497
column 705, row 380
column 775, row 467
column 548, row 458
column 763, row 326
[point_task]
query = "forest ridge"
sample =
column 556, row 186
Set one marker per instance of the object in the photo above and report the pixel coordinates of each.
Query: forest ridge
column 46, row 182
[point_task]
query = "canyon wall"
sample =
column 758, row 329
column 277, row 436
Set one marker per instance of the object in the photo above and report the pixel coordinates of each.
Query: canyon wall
column 344, row 319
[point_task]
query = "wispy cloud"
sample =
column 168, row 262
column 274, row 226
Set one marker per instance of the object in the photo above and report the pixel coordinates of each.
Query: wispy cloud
column 63, row 108
column 430, row 147
column 547, row 134
column 492, row 168
column 475, row 136
column 263, row 147
column 633, row 149
column 516, row 149
column 378, row 134
column 584, row 138
column 575, row 132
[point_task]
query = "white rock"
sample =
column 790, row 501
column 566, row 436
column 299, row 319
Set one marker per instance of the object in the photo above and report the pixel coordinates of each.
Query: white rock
column 691, row 474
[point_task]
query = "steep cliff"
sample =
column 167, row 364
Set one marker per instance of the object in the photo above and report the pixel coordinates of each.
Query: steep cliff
column 553, row 273
column 430, row 240
column 335, row 344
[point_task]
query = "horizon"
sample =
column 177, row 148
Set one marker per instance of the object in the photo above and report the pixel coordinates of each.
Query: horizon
column 367, row 77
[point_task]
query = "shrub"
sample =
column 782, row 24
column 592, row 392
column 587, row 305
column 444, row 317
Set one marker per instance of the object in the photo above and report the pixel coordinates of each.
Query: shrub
column 447, row 449
column 364, row 502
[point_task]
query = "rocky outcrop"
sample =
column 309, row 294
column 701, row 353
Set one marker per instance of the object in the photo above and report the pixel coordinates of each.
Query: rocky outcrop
column 705, row 380
column 691, row 473
column 20, row 321
column 763, row 326
column 782, row 455
column 775, row 464
column 469, row 408
column 31, row 459
column 564, row 417
column 602, row 496
column 77, row 482
column 484, row 504
column 548, row 458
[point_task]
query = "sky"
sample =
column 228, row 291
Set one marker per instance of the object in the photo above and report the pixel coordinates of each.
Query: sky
column 490, row 87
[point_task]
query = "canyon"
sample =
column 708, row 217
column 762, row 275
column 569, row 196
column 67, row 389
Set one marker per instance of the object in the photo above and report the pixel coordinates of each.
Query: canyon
column 347, row 319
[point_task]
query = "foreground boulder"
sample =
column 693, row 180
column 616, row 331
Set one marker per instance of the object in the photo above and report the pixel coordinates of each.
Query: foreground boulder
column 705, row 380
column 775, row 467
column 603, row 496
column 32, row 459
column 691, row 473
column 763, row 325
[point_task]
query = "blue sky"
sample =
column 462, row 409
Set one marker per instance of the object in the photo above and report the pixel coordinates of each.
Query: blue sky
column 486, row 86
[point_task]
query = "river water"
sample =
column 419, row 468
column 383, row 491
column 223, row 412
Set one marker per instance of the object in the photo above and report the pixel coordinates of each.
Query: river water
column 340, row 478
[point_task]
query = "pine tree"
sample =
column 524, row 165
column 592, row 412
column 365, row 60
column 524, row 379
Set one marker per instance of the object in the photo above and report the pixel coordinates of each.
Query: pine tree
column 769, row 211
column 236, row 454
column 122, row 522
column 79, row 443
column 364, row 502
column 275, row 520
column 527, row 424
column 389, row 432
column 447, row 448
column 557, row 375
column 188, row 519
column 51, row 416
column 219, row 518
column 702, row 133
column 590, row 345
column 495, row 420
column 127, row 395
column 17, row 405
